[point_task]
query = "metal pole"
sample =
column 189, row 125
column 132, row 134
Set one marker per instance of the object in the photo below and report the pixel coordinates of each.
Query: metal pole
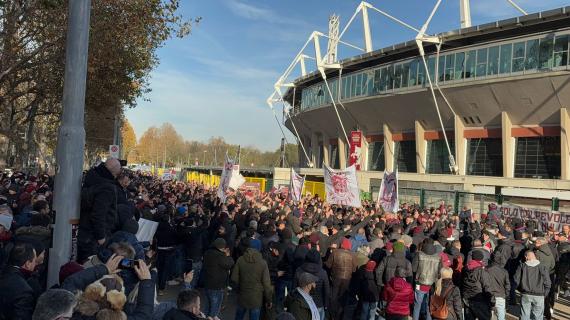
column 71, row 137
column 465, row 13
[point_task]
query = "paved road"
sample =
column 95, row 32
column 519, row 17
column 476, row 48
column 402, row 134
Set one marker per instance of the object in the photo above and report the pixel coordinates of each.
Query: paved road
column 561, row 309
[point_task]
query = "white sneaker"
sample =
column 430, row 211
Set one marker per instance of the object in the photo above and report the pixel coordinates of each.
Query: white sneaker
column 172, row 283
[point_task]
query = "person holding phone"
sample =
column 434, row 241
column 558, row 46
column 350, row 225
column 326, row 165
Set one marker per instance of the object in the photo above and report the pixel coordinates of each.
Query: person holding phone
column 217, row 266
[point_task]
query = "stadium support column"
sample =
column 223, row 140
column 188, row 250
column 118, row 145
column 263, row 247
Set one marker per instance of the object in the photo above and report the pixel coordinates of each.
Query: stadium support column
column 508, row 145
column 421, row 147
column 315, row 149
column 342, row 155
column 326, row 151
column 460, row 145
column 388, row 148
column 565, row 144
column 71, row 137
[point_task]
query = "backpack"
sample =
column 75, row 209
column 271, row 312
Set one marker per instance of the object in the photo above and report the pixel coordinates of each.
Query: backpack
column 438, row 304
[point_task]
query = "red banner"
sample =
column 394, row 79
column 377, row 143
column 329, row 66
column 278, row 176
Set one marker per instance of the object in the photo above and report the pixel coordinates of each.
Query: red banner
column 355, row 149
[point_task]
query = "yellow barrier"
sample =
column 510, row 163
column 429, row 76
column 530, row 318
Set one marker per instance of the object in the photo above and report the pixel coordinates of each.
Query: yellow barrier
column 315, row 188
column 206, row 179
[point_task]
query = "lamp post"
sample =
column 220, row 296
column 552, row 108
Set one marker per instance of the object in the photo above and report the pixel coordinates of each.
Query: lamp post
column 204, row 162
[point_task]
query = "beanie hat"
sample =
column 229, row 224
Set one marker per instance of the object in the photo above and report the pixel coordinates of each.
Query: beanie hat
column 370, row 266
column 313, row 256
column 477, row 255
column 181, row 210
column 314, row 238
column 219, row 243
column 418, row 230
column 428, row 248
column 389, row 246
column 286, row 234
column 346, row 244
column 399, row 247
column 68, row 269
column 255, row 244
column 306, row 278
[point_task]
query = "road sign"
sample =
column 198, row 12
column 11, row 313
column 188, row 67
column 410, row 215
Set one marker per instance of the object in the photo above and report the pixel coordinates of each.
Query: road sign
column 114, row 151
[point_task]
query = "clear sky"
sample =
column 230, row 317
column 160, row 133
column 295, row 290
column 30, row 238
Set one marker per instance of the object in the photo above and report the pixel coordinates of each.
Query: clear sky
column 215, row 82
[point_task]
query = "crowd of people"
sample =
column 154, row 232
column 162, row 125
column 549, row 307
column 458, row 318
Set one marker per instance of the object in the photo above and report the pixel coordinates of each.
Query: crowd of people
column 281, row 259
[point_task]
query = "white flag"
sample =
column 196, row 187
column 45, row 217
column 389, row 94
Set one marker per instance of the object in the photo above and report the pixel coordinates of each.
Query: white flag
column 296, row 185
column 231, row 178
column 342, row 187
column 388, row 196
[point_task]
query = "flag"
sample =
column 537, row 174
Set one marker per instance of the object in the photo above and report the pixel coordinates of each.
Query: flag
column 355, row 149
column 341, row 187
column 231, row 178
column 388, row 196
column 296, row 185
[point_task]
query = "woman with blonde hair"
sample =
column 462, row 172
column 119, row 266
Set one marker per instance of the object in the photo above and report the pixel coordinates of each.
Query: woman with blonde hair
column 446, row 291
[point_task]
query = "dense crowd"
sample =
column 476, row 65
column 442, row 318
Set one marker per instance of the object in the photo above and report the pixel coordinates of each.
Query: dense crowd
column 306, row 260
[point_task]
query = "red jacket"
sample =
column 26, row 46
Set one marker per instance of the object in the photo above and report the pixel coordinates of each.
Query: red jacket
column 399, row 295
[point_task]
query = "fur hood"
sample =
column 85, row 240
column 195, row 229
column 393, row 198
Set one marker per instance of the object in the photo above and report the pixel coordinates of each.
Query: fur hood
column 103, row 298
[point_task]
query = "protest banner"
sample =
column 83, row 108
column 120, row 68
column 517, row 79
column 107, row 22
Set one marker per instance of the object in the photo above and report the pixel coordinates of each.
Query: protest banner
column 296, row 185
column 355, row 149
column 544, row 218
column 388, row 196
column 341, row 187
column 230, row 178
column 147, row 229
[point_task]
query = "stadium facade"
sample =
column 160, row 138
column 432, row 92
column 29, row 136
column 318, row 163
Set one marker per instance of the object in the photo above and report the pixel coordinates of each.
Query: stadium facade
column 499, row 124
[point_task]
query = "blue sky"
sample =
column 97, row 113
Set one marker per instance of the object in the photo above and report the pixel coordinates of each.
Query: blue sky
column 216, row 81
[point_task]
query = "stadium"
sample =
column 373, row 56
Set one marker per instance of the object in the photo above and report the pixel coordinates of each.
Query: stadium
column 498, row 124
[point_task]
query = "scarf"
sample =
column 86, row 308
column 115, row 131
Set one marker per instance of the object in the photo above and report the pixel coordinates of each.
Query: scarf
column 309, row 300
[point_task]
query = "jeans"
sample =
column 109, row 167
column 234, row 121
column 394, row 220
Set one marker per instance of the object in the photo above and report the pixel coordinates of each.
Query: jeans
column 164, row 264
column 215, row 299
column 280, row 292
column 368, row 310
column 197, row 269
column 322, row 314
column 532, row 307
column 421, row 302
column 501, row 308
column 254, row 314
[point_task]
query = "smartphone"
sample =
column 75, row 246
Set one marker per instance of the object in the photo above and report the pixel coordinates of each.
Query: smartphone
column 128, row 264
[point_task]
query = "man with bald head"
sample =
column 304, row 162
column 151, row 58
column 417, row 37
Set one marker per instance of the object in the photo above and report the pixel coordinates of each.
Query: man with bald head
column 532, row 279
column 98, row 219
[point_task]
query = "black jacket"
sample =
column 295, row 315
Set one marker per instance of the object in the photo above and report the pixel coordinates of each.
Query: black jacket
column 297, row 306
column 475, row 285
column 177, row 314
column 545, row 256
column 532, row 277
column 504, row 250
column 321, row 292
column 99, row 197
column 17, row 298
column 387, row 268
column 216, row 269
column 499, row 283
column 367, row 289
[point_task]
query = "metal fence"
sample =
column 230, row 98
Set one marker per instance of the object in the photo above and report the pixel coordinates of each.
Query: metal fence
column 477, row 202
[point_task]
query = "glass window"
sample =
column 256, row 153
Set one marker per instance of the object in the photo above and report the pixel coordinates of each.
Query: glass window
column 358, row 85
column 421, row 73
column 368, row 79
column 438, row 156
column 390, row 77
column 383, row 80
column 459, row 64
column 481, row 70
column 518, row 56
column 376, row 156
column 538, row 157
column 335, row 159
column 531, row 61
column 485, row 157
column 560, row 51
column 397, row 76
column 440, row 68
column 377, row 74
column 545, row 53
column 470, row 64
column 405, row 156
column 449, row 67
column 413, row 80
column 493, row 62
column 405, row 74
column 345, row 86
column 431, row 68
column 505, row 62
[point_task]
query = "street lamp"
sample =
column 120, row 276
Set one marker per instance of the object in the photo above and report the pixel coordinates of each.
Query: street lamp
column 204, row 162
